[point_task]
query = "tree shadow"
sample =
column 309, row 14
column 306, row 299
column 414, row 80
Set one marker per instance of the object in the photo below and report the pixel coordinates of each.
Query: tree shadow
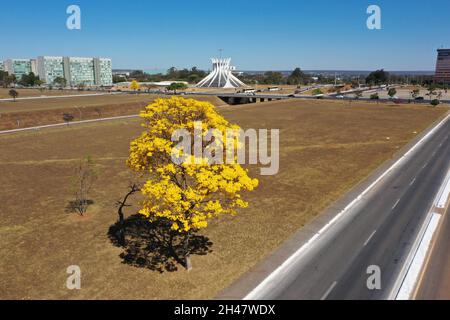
column 154, row 245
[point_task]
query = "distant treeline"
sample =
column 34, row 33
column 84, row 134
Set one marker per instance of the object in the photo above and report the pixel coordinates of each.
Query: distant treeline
column 193, row 75
column 296, row 77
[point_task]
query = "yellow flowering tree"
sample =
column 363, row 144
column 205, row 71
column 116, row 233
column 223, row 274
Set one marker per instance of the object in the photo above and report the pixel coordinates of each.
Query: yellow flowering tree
column 190, row 193
column 135, row 85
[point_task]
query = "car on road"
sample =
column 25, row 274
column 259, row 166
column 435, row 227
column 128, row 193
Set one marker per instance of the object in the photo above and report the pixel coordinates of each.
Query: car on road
column 340, row 96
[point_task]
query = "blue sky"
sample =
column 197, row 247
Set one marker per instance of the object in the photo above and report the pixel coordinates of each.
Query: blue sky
column 257, row 34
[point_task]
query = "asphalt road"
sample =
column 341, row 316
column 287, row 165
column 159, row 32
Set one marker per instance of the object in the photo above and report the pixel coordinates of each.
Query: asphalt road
column 379, row 230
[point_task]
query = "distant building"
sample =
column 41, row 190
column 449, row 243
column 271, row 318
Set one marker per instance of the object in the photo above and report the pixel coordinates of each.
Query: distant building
column 125, row 72
column 103, row 72
column 443, row 66
column 20, row 67
column 222, row 76
column 50, row 68
column 76, row 70
column 80, row 71
column 2, row 66
column 34, row 66
column 126, row 86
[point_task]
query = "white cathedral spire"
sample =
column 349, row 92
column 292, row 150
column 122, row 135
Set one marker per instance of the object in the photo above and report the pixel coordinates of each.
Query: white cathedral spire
column 221, row 76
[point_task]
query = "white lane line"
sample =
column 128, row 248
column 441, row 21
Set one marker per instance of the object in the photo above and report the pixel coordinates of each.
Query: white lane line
column 406, row 280
column 396, row 204
column 370, row 238
column 425, row 165
column 329, row 291
column 412, row 182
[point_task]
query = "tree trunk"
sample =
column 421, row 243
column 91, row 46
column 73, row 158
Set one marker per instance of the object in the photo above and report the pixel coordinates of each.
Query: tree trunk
column 121, row 233
column 188, row 263
column 121, row 204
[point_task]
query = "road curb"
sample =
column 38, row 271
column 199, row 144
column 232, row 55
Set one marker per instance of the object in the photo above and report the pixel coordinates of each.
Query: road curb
column 405, row 285
column 430, row 251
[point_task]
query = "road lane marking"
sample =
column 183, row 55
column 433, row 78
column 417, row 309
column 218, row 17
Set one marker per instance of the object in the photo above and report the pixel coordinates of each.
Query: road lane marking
column 407, row 279
column 370, row 238
column 396, row 204
column 325, row 296
column 412, row 182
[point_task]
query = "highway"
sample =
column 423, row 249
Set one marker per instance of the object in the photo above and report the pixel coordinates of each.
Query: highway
column 304, row 97
column 272, row 96
column 379, row 229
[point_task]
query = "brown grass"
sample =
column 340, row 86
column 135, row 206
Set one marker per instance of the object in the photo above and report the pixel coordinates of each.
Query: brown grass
column 30, row 113
column 326, row 148
column 23, row 93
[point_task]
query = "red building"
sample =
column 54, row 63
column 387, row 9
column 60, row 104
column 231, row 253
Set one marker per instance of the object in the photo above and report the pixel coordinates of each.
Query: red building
column 443, row 66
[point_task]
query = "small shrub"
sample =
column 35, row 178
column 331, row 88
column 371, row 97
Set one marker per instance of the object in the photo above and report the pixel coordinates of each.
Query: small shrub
column 435, row 102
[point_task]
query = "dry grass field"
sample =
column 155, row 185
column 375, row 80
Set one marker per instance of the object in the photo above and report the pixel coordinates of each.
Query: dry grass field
column 326, row 148
column 60, row 103
column 23, row 93
column 29, row 113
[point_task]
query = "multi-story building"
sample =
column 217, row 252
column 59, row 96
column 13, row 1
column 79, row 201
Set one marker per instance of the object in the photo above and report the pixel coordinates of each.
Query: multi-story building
column 50, row 68
column 34, row 66
column 76, row 70
column 443, row 66
column 81, row 71
column 103, row 72
column 20, row 67
column 2, row 66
